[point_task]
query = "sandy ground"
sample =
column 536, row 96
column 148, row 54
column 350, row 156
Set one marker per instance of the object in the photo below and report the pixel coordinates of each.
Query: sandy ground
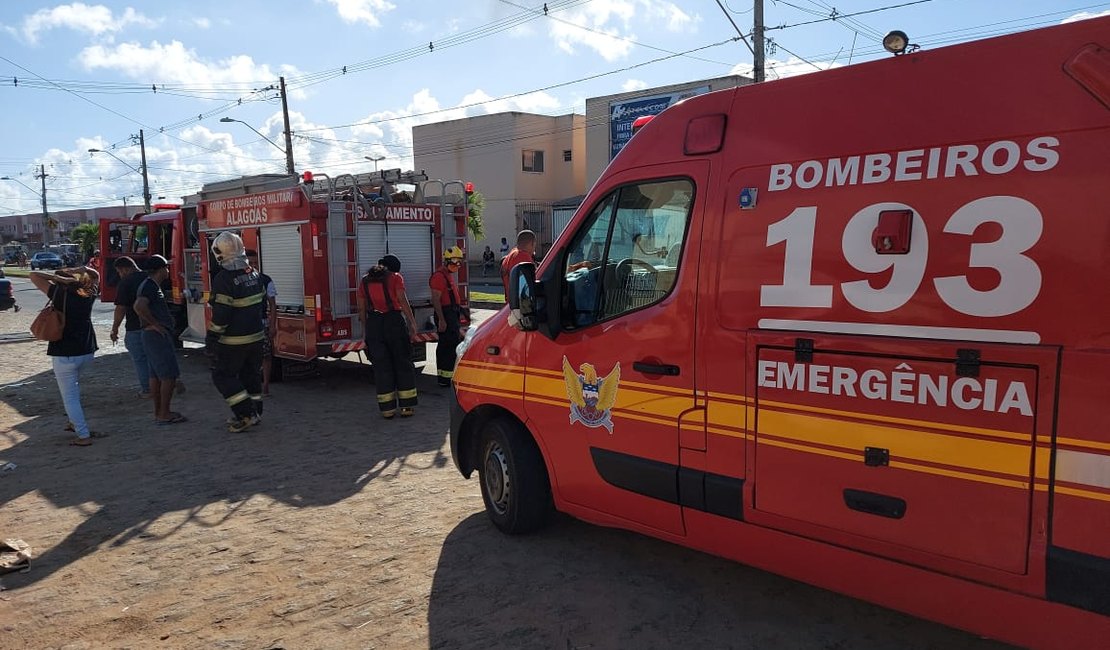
column 328, row 528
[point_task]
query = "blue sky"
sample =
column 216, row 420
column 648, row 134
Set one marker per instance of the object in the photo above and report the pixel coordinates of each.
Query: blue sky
column 82, row 75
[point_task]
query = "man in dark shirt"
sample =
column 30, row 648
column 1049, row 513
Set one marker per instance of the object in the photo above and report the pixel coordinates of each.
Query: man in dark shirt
column 126, row 293
column 158, row 339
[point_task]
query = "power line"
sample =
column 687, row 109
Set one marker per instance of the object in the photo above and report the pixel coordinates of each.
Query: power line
column 633, row 41
column 837, row 16
column 738, row 31
column 527, row 92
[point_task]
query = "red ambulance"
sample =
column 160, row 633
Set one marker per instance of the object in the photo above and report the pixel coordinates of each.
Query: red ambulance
column 850, row 327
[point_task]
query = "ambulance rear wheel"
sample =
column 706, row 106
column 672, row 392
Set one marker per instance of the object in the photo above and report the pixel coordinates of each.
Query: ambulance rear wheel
column 515, row 487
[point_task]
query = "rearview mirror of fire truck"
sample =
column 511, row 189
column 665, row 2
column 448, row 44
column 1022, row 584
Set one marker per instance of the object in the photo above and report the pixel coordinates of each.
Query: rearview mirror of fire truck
column 522, row 297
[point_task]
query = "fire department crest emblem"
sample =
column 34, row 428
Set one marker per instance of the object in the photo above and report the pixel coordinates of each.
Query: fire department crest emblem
column 591, row 397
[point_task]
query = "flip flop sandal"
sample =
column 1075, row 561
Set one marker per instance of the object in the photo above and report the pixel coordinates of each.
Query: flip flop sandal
column 80, row 442
column 174, row 420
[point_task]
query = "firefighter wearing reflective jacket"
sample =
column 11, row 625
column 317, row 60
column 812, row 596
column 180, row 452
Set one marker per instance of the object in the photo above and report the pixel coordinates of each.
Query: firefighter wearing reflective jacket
column 447, row 303
column 389, row 326
column 235, row 334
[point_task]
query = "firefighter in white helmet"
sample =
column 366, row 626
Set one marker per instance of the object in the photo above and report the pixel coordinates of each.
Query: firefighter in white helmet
column 448, row 306
column 235, row 335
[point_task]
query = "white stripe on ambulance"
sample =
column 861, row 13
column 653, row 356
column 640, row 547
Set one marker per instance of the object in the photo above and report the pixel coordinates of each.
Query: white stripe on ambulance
column 901, row 385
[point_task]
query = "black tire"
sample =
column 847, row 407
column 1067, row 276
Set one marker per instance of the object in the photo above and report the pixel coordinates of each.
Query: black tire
column 513, row 477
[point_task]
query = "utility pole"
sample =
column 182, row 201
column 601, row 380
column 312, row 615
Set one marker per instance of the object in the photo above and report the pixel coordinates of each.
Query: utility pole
column 45, row 214
column 757, row 36
column 288, row 133
column 146, row 182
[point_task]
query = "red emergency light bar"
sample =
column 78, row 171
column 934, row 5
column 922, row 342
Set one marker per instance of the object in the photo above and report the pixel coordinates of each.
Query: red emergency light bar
column 641, row 122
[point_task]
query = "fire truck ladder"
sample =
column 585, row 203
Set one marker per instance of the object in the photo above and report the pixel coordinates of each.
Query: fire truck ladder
column 343, row 254
column 452, row 201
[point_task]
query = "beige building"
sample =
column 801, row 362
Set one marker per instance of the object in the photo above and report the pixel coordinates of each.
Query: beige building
column 527, row 167
column 518, row 162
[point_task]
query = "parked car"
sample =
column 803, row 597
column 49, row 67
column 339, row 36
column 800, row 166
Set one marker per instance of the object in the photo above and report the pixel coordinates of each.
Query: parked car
column 7, row 298
column 46, row 260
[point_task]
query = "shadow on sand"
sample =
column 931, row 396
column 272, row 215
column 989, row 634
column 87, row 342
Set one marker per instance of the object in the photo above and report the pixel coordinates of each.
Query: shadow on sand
column 581, row 586
column 142, row 471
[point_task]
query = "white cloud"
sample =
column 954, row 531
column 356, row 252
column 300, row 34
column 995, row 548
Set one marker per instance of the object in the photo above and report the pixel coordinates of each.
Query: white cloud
column 203, row 23
column 774, row 69
column 174, row 63
column 97, row 20
column 605, row 26
column 363, row 11
column 633, row 84
column 413, row 26
column 1084, row 15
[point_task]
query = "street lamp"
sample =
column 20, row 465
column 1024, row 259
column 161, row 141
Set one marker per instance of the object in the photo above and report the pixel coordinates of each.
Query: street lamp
column 375, row 160
column 288, row 153
column 9, row 178
column 146, row 183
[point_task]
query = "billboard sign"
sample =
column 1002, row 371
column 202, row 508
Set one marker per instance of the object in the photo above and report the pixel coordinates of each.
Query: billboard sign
column 622, row 114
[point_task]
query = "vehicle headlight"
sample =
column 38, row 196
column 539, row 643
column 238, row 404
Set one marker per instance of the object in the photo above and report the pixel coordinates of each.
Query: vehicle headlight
column 461, row 348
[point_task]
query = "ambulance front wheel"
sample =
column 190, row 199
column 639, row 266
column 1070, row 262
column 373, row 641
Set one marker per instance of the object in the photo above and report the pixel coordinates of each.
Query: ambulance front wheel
column 515, row 487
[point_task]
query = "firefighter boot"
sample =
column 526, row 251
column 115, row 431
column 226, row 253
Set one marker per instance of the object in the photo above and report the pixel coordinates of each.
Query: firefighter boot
column 243, row 419
column 239, row 424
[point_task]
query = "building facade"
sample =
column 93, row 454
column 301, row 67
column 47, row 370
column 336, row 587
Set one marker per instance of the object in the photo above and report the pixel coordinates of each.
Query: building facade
column 29, row 228
column 531, row 169
column 609, row 118
column 519, row 162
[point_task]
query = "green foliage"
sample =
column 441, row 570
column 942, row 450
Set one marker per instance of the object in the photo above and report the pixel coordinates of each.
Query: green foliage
column 87, row 238
column 475, row 204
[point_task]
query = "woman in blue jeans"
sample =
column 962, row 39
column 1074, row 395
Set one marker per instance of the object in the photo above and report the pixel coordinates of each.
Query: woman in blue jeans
column 73, row 292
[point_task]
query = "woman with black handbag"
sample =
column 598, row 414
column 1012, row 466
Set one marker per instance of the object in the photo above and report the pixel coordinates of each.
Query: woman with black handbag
column 73, row 293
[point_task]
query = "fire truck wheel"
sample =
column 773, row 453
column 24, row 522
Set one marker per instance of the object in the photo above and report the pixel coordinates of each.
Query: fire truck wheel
column 513, row 476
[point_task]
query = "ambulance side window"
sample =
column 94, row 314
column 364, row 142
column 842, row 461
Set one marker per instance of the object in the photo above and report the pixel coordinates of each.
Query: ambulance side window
column 627, row 254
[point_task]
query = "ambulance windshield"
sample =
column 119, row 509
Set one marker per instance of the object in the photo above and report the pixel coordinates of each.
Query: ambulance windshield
column 626, row 255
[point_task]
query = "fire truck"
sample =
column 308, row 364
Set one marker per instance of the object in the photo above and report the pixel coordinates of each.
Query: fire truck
column 315, row 236
column 849, row 327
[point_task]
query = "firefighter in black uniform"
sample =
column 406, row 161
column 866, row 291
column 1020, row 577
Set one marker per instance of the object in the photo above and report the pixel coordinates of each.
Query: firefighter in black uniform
column 389, row 326
column 234, row 339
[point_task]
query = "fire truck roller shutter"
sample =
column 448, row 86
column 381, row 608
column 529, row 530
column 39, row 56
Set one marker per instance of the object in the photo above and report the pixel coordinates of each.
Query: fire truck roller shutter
column 411, row 243
column 281, row 255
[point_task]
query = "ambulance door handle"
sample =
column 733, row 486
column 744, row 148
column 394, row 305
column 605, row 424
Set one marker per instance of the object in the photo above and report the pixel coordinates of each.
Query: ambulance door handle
column 649, row 368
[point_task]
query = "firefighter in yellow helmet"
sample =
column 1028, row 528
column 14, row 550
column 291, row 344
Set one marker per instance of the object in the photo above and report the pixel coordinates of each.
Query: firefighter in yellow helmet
column 448, row 305
column 235, row 335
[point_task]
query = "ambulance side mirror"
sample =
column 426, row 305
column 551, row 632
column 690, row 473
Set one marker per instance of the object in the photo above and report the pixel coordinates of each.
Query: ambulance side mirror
column 522, row 297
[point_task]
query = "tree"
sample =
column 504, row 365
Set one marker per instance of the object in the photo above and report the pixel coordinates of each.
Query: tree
column 475, row 204
column 87, row 238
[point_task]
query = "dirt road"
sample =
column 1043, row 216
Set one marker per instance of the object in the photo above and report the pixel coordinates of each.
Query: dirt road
column 328, row 528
